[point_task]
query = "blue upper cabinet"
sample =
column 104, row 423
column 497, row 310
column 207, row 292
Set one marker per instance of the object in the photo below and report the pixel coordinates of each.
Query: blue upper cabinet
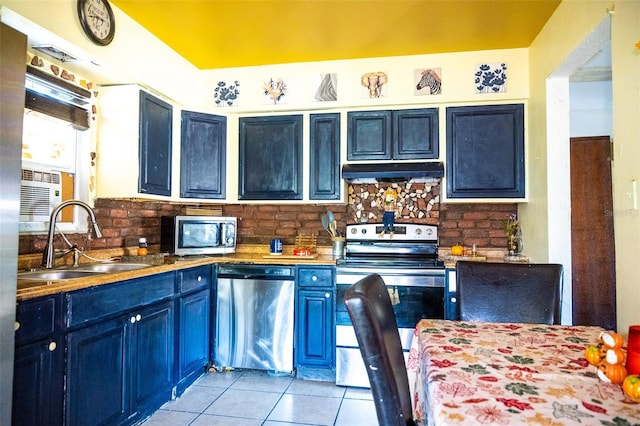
column 155, row 145
column 203, row 155
column 270, row 158
column 324, row 153
column 415, row 134
column 485, row 151
column 393, row 135
column 369, row 135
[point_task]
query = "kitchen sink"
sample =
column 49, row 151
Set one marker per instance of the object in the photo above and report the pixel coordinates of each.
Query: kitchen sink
column 109, row 268
column 82, row 271
column 55, row 274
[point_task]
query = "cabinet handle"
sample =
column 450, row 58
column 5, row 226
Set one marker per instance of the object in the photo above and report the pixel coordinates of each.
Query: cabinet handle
column 327, row 295
column 454, row 300
column 52, row 346
column 314, row 278
column 133, row 320
column 16, row 326
column 138, row 317
column 199, row 278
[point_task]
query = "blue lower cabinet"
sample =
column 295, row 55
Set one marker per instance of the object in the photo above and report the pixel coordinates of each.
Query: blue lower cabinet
column 38, row 372
column 315, row 324
column 120, row 370
column 38, row 385
column 193, row 348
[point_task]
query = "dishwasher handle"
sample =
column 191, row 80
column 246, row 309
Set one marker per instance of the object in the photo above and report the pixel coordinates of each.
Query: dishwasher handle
column 257, row 273
column 257, row 277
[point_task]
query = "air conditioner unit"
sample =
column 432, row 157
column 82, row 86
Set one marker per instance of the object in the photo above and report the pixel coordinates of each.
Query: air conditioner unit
column 40, row 192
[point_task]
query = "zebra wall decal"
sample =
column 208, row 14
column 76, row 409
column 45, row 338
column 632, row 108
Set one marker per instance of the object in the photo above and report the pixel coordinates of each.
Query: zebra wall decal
column 430, row 80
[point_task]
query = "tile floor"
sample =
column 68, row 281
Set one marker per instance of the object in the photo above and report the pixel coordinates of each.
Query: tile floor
column 254, row 398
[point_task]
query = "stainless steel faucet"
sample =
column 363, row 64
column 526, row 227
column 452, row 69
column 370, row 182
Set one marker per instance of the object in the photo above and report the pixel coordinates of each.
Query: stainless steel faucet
column 47, row 256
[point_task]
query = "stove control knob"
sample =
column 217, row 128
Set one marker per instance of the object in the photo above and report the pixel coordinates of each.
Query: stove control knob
column 418, row 231
column 353, row 231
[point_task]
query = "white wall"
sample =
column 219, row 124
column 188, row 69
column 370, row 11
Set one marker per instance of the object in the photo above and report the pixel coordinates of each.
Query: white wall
column 590, row 109
column 571, row 24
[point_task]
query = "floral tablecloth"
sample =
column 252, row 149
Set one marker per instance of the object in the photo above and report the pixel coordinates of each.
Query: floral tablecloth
column 504, row 374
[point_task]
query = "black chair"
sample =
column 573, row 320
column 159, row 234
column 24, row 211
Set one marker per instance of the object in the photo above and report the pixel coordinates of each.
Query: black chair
column 374, row 322
column 509, row 292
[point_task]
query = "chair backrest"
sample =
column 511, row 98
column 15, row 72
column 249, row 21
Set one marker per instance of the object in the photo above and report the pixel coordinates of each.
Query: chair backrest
column 509, row 292
column 374, row 322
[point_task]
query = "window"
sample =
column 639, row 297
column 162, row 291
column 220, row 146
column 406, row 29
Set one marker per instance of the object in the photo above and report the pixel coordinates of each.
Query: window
column 55, row 167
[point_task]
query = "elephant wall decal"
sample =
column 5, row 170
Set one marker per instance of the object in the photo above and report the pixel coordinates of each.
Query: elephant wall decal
column 374, row 82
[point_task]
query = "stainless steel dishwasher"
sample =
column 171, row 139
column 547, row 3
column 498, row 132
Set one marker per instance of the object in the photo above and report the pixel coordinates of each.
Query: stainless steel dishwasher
column 254, row 317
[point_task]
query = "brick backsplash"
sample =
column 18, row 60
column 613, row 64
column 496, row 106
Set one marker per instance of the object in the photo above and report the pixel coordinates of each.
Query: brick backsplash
column 122, row 222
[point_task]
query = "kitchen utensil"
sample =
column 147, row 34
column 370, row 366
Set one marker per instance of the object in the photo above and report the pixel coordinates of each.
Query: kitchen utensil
column 334, row 226
column 325, row 223
column 330, row 216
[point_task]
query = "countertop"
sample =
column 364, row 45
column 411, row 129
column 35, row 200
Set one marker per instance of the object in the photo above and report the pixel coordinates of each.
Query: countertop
column 27, row 289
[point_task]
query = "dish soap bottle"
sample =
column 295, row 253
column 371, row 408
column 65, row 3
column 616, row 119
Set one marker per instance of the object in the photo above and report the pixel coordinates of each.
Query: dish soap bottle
column 142, row 247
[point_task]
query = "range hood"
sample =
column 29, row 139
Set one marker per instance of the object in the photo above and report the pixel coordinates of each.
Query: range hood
column 392, row 172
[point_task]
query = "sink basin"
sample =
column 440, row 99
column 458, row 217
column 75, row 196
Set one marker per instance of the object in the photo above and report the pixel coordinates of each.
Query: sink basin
column 82, row 271
column 109, row 268
column 55, row 274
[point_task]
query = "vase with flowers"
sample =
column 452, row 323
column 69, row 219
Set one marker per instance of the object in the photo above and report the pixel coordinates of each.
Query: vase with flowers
column 514, row 235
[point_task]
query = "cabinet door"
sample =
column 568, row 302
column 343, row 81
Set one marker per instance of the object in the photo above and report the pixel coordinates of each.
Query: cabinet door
column 324, row 162
column 270, row 158
column 96, row 386
column 485, row 151
column 315, row 327
column 38, row 384
column 152, row 356
column 203, row 154
column 369, row 135
column 155, row 145
column 415, row 134
column 194, row 337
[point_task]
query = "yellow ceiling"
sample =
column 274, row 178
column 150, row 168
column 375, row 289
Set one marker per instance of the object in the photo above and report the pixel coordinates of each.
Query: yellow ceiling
column 236, row 33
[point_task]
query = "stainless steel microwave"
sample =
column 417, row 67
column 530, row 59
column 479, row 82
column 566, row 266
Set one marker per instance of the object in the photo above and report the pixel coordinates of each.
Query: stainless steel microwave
column 198, row 235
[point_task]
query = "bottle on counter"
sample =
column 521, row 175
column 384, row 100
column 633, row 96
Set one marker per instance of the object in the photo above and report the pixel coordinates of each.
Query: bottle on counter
column 142, row 247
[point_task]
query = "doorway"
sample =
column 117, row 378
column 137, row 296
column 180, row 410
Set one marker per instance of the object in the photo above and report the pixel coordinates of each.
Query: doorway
column 592, row 236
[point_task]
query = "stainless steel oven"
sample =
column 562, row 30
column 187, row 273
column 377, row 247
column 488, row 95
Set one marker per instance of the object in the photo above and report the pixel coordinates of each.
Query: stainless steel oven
column 415, row 278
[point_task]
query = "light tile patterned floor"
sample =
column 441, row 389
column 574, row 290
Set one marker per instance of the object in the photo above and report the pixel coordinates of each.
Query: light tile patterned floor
column 255, row 398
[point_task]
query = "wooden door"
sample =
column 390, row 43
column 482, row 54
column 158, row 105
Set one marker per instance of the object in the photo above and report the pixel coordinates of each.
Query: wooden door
column 592, row 238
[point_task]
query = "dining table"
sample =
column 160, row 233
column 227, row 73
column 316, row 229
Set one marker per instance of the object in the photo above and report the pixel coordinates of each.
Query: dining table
column 480, row 373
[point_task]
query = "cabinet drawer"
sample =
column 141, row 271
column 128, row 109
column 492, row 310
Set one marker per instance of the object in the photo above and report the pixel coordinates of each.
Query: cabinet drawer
column 84, row 306
column 315, row 277
column 194, row 278
column 35, row 319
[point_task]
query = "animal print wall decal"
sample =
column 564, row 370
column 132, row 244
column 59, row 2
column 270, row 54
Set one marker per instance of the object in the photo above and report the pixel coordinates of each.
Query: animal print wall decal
column 491, row 78
column 427, row 81
column 374, row 82
column 327, row 88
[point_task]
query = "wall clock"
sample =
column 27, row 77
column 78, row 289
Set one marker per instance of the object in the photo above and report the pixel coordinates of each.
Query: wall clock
column 96, row 18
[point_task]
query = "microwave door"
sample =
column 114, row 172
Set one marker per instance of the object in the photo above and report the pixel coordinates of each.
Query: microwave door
column 199, row 235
